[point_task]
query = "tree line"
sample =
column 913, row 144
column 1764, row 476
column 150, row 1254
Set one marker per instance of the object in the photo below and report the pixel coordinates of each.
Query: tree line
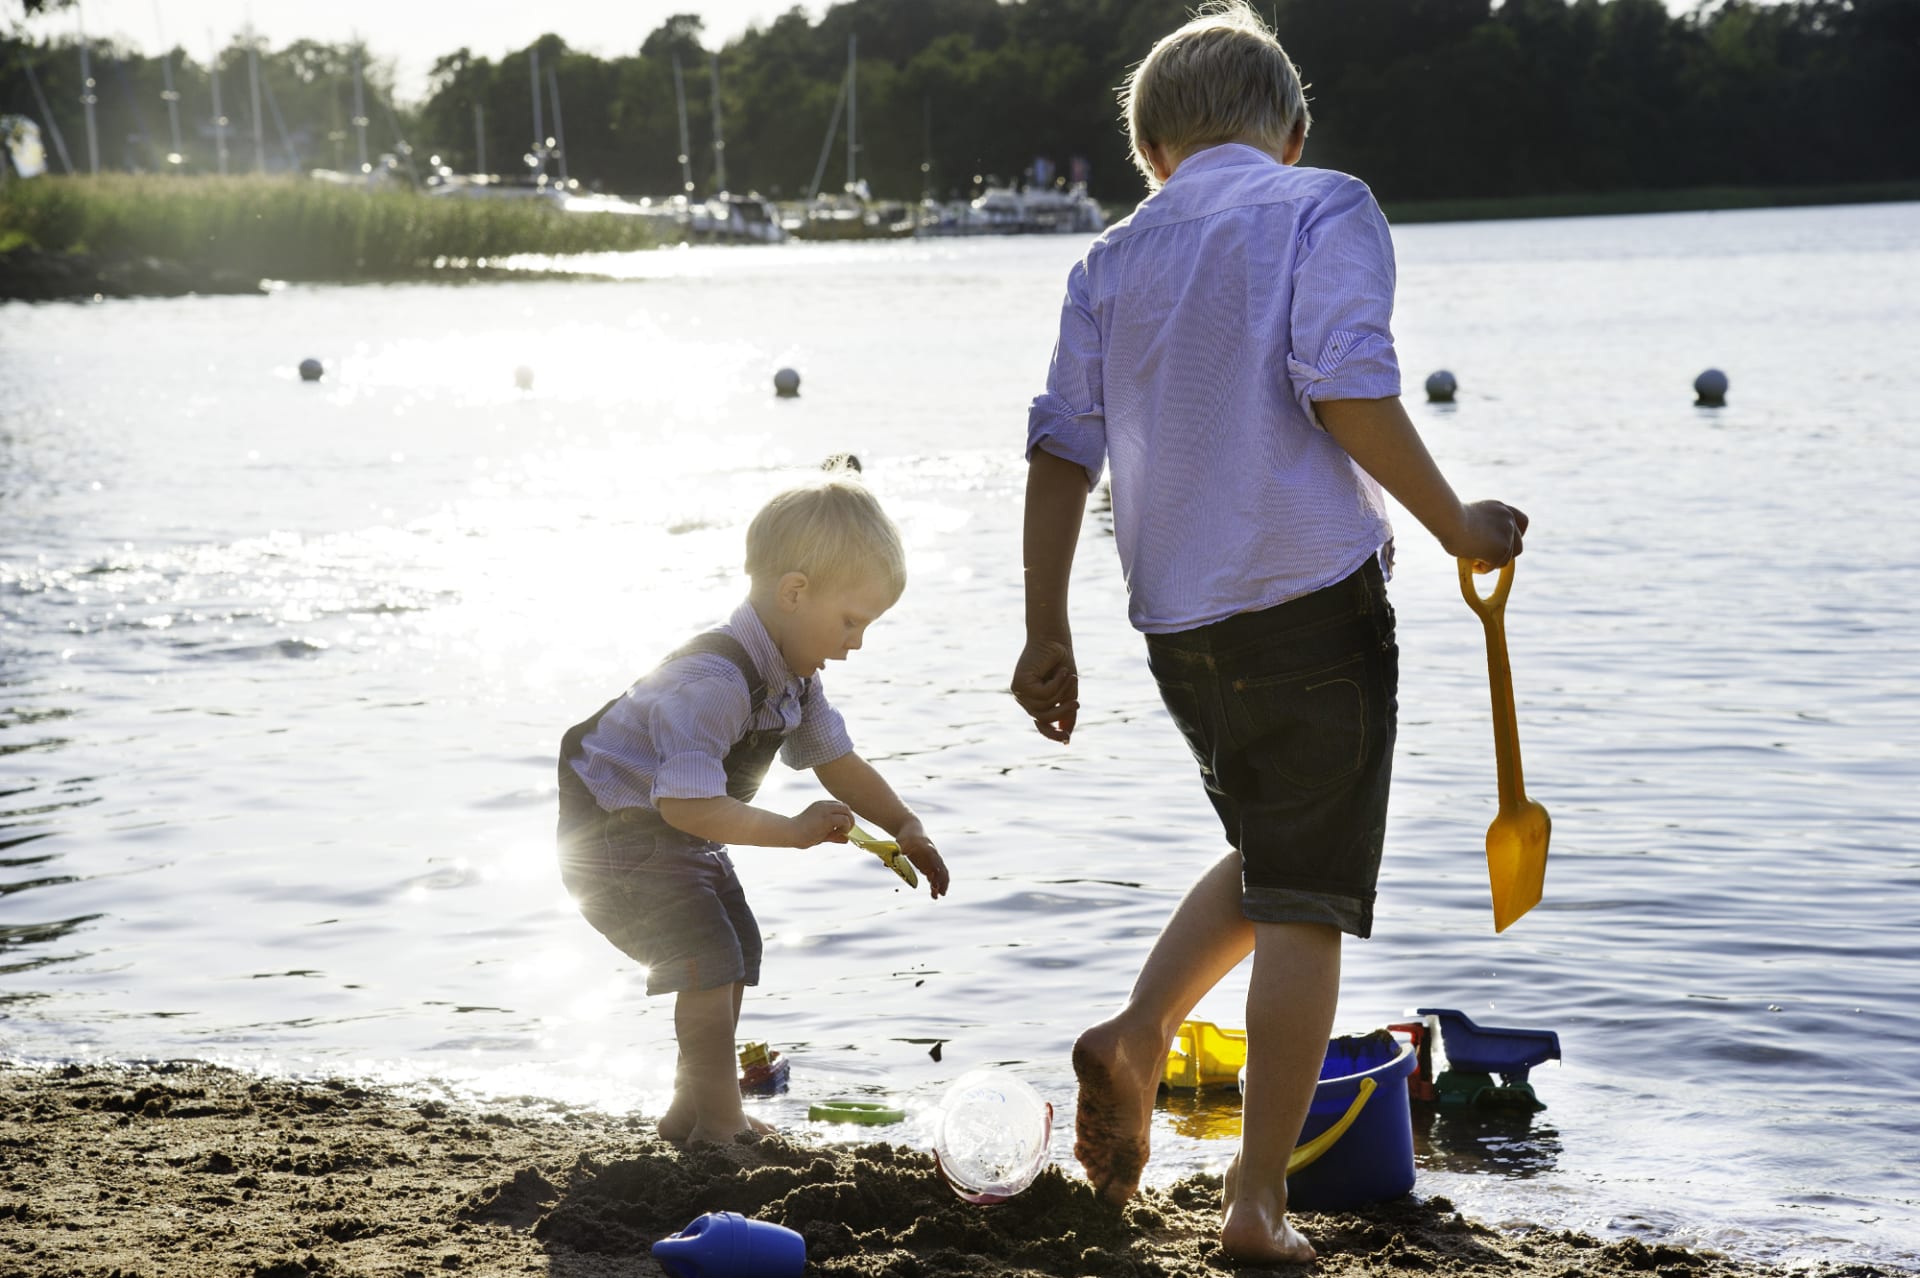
column 1425, row 99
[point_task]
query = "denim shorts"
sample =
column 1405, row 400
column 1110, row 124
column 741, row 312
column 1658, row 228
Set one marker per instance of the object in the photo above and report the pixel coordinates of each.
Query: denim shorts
column 1291, row 713
column 663, row 898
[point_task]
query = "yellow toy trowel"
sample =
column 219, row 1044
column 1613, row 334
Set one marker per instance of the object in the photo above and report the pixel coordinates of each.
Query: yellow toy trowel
column 1517, row 839
column 888, row 851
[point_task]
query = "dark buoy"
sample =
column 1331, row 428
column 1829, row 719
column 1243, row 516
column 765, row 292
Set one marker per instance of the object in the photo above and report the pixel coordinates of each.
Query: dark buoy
column 1710, row 388
column 842, row 461
column 310, row 370
column 786, row 384
column 1440, row 387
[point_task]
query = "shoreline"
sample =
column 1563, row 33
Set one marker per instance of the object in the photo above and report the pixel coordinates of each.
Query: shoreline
column 30, row 272
column 187, row 1167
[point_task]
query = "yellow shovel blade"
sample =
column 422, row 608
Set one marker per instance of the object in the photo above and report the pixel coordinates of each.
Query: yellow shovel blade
column 888, row 851
column 1517, row 861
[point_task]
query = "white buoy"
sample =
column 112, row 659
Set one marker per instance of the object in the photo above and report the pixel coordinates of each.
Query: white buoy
column 523, row 377
column 311, row 370
column 786, row 383
column 1711, row 388
column 1441, row 386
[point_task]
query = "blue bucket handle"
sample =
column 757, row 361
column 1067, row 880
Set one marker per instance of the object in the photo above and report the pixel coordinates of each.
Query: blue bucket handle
column 1304, row 1155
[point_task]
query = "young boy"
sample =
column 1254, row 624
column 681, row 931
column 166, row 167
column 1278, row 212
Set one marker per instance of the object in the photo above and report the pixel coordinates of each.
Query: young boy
column 1226, row 350
column 661, row 777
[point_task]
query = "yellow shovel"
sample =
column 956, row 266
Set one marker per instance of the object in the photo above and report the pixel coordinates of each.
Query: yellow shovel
column 1517, row 839
column 888, row 850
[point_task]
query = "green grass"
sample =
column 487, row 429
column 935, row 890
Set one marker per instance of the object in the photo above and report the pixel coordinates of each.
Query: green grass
column 1618, row 202
column 295, row 229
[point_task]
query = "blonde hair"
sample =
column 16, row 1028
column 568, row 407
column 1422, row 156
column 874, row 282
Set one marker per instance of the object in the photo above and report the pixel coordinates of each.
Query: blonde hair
column 1220, row 77
column 833, row 531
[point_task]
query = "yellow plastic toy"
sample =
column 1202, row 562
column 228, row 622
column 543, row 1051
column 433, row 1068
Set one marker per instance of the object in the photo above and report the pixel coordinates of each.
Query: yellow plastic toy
column 1204, row 1055
column 888, row 851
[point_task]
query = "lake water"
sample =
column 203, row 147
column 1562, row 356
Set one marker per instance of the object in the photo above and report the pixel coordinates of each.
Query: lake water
column 284, row 667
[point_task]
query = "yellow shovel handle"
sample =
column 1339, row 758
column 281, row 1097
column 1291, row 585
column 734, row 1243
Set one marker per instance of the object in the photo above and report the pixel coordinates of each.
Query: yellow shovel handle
column 1303, row 1155
column 1485, row 605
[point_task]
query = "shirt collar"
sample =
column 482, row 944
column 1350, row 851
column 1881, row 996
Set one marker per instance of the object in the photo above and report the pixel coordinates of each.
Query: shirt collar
column 764, row 652
column 1227, row 155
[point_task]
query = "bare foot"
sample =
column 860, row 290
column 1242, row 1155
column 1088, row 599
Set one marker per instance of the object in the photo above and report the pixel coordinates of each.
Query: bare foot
column 1255, row 1233
column 676, row 1123
column 722, row 1134
column 761, row 1126
column 1119, row 1071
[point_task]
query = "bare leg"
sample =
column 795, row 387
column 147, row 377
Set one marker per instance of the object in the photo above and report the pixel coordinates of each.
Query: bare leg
column 675, row 1125
column 705, row 1078
column 1120, row 1061
column 1290, row 1009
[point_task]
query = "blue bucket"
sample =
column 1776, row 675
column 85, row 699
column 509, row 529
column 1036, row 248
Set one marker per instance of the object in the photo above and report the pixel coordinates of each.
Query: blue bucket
column 1371, row 1159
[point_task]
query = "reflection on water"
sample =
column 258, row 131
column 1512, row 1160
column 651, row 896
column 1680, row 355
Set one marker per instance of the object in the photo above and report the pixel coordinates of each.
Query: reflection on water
column 1484, row 1141
column 282, row 668
column 1210, row 1113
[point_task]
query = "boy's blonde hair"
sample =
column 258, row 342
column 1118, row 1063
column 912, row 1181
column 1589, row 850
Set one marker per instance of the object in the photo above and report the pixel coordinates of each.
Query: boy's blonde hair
column 834, row 531
column 1220, row 77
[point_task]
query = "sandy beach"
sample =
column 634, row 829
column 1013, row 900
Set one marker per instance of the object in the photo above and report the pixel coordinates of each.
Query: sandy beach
column 185, row 1168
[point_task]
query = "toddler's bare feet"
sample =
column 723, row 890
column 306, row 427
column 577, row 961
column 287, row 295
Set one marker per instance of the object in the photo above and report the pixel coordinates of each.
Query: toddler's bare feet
column 724, row 1133
column 1119, row 1071
column 1253, row 1231
column 676, row 1123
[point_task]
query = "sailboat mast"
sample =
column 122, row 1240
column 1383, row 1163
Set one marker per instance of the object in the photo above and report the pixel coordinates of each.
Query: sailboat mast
column 88, row 98
column 168, row 95
column 719, row 139
column 359, row 122
column 686, row 149
column 853, row 113
column 559, row 127
column 46, row 112
column 259, row 125
column 220, row 115
column 539, row 127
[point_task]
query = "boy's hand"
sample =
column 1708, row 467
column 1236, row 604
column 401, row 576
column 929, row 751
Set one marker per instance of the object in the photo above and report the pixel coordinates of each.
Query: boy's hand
column 824, row 822
column 919, row 849
column 1491, row 533
column 1046, row 683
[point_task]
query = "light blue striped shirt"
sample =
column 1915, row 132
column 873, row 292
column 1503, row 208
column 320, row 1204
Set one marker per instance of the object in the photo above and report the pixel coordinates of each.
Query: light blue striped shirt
column 668, row 737
column 1195, row 336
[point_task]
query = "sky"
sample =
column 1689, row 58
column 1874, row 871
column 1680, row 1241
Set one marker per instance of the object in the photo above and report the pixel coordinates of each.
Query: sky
column 411, row 34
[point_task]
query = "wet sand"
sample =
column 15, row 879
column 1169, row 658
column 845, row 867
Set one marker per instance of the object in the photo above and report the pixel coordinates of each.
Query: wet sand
column 191, row 1169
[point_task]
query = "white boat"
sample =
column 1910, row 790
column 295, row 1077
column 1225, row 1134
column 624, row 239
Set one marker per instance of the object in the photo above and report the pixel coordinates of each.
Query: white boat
column 735, row 219
column 1006, row 210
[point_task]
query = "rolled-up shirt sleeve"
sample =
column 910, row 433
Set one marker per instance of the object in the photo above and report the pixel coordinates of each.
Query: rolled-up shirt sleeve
column 692, row 731
column 1069, row 418
column 1343, row 282
column 822, row 735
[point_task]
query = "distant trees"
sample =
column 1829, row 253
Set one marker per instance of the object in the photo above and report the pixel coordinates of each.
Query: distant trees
column 1423, row 98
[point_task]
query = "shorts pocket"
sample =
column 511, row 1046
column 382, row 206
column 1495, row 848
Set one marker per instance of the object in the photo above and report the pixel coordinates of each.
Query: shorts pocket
column 1307, row 729
column 1182, row 700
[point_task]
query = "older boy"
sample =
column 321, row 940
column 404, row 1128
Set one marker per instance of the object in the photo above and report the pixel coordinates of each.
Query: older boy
column 661, row 777
column 1226, row 349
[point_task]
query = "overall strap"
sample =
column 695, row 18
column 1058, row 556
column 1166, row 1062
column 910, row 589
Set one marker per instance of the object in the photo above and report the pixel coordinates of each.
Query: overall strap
column 715, row 642
column 719, row 643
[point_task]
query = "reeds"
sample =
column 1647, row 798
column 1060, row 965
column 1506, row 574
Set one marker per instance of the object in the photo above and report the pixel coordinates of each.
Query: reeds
column 295, row 228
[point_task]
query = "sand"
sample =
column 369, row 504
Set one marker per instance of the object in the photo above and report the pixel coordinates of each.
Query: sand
column 185, row 1168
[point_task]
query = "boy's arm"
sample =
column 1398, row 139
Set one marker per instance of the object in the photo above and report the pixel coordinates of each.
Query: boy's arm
column 724, row 819
column 1046, row 681
column 853, row 781
column 1382, row 439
